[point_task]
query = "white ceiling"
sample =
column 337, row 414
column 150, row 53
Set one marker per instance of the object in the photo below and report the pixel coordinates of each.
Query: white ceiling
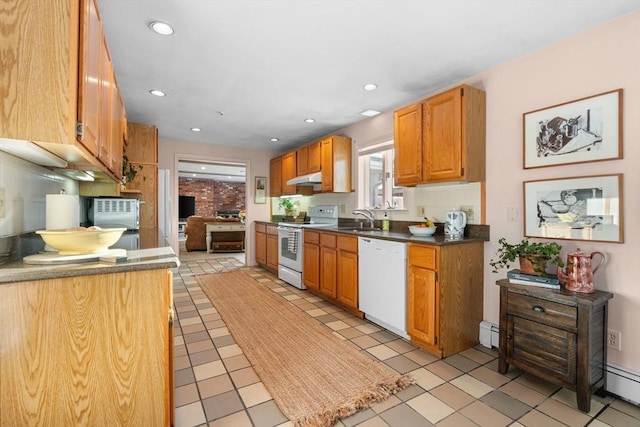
column 248, row 70
column 216, row 171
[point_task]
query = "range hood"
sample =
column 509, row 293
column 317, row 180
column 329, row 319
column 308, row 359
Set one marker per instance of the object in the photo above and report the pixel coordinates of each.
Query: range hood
column 310, row 179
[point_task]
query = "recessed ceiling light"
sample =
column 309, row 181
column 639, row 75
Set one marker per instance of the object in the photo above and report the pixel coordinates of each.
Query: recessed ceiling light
column 370, row 113
column 157, row 92
column 193, row 175
column 196, row 129
column 370, row 86
column 310, row 120
column 274, row 139
column 202, row 168
column 161, row 28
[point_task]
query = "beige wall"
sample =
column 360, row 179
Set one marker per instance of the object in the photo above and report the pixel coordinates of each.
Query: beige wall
column 257, row 161
column 603, row 59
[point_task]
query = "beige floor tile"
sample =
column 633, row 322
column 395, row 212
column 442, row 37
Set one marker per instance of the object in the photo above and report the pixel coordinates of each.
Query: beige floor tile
column 215, row 386
column 254, row 394
column 538, row 384
column 456, row 420
column 316, row 312
column 190, row 321
column 568, row 397
column 291, row 297
column 181, row 362
column 538, row 419
column 627, row 408
column 195, row 347
column 614, row 417
column 390, row 402
column 229, row 351
column 368, row 328
column 236, row 362
column 178, row 340
column 401, row 346
column 477, row 356
column 192, row 328
column 239, row 419
column 244, row 377
column 209, row 370
column 524, row 394
column 350, row 333
column 365, row 341
column 426, row 379
column 430, row 407
column 444, row 370
column 190, row 415
column 219, row 332
column 186, row 394
column 382, row 352
column 421, row 357
column 337, row 325
column 563, row 413
column 374, row 422
column 452, row 396
column 472, row 386
column 487, row 376
column 485, row 416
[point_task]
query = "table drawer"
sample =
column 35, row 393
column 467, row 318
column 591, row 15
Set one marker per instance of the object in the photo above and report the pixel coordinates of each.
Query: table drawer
column 543, row 311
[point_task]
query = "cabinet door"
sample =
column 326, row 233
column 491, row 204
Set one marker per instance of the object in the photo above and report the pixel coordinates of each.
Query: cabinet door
column 288, row 172
column 311, row 266
column 261, row 248
column 443, row 139
column 272, row 252
column 143, row 143
column 326, row 161
column 90, row 82
column 347, row 275
column 422, row 303
column 314, row 157
column 275, row 177
column 408, row 145
column 328, row 264
column 302, row 155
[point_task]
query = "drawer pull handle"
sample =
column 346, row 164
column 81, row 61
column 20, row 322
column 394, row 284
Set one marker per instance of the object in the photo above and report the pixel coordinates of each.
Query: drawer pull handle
column 538, row 309
column 509, row 337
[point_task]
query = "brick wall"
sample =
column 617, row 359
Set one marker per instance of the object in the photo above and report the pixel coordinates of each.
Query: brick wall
column 212, row 196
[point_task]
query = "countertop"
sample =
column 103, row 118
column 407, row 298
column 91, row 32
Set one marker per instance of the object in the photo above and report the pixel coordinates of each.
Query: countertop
column 153, row 253
column 399, row 232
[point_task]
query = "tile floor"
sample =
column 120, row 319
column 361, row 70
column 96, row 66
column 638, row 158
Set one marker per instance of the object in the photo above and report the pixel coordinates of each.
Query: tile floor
column 216, row 386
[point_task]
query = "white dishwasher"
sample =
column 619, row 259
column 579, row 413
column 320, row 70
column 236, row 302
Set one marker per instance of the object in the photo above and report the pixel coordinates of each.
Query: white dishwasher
column 382, row 283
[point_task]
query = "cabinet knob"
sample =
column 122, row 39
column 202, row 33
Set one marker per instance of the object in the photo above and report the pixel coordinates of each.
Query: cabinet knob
column 538, row 309
column 509, row 337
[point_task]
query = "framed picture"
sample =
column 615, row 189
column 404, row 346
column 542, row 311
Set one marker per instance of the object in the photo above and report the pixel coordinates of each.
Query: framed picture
column 581, row 208
column 261, row 190
column 584, row 130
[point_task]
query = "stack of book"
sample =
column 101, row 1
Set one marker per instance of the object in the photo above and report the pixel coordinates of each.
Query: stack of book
column 549, row 281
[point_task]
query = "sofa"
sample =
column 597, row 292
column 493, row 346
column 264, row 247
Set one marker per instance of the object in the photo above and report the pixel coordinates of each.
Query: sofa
column 196, row 231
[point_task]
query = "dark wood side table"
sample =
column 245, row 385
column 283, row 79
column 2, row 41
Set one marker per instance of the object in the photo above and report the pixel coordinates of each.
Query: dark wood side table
column 556, row 335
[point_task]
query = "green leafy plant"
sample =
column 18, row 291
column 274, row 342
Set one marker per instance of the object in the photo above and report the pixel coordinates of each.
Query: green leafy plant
column 539, row 254
column 129, row 171
column 288, row 204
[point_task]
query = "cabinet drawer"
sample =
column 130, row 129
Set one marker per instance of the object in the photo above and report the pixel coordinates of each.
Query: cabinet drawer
column 346, row 243
column 423, row 256
column 312, row 237
column 328, row 240
column 261, row 228
column 539, row 310
column 272, row 230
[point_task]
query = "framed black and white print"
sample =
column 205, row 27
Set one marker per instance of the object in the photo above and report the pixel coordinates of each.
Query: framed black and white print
column 584, row 130
column 580, row 208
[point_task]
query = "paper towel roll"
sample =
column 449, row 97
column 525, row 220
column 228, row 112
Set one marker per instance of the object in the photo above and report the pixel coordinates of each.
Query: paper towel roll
column 63, row 211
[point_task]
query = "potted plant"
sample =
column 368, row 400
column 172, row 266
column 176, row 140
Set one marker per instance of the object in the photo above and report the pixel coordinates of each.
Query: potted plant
column 288, row 205
column 129, row 171
column 533, row 257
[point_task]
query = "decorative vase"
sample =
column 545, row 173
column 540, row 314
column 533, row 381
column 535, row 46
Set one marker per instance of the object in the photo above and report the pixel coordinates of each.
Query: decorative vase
column 528, row 265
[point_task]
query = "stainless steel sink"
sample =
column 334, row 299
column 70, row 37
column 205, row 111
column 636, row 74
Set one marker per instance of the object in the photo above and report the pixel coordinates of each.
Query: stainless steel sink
column 361, row 230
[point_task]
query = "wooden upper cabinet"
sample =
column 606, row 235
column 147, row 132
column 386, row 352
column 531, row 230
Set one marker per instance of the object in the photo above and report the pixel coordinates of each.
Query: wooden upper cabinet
column 302, row 155
column 288, row 172
column 69, row 115
column 313, row 157
column 447, row 131
column 142, row 151
column 408, row 145
column 143, row 143
column 275, row 177
column 336, row 164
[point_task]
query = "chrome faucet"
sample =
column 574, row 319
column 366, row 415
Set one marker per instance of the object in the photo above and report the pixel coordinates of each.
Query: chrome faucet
column 367, row 213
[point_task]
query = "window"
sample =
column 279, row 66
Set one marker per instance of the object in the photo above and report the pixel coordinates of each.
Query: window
column 375, row 178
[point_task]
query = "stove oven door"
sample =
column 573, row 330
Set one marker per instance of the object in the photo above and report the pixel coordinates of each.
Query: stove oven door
column 290, row 247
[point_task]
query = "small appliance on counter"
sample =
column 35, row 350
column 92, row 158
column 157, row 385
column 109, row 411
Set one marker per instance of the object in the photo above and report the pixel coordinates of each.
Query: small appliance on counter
column 454, row 224
column 113, row 212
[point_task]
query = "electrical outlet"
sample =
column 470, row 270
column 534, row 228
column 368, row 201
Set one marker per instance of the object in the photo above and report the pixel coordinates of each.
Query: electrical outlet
column 512, row 214
column 2, row 203
column 469, row 211
column 421, row 211
column 614, row 339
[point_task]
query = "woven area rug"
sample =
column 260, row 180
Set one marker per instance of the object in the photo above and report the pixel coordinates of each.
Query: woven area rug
column 314, row 377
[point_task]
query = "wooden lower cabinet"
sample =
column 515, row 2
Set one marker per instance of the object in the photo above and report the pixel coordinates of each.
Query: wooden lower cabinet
column 331, row 267
column 272, row 247
column 444, row 296
column 261, row 244
column 556, row 335
column 88, row 350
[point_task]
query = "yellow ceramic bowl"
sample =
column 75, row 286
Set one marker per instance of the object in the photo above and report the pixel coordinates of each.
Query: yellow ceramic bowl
column 80, row 240
column 422, row 231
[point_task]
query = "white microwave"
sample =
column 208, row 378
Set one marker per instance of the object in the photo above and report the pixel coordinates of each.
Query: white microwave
column 116, row 213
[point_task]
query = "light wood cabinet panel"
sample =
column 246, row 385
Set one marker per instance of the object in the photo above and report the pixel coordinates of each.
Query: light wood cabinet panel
column 77, row 90
column 329, row 265
column 445, row 296
column 311, row 260
column 336, row 164
column 313, row 157
column 261, row 244
column 447, row 131
column 347, row 272
column 87, row 350
column 272, row 247
column 408, row 145
column 302, row 156
column 143, row 143
column 288, row 172
column 275, row 177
